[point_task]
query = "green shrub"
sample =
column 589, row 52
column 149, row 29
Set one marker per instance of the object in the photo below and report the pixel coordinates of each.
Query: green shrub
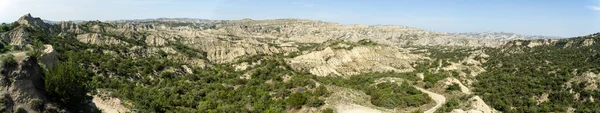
column 390, row 95
column 449, row 106
column 321, row 91
column 296, row 100
column 327, row 110
column 67, row 83
column 7, row 27
column 417, row 111
column 367, row 42
column 431, row 79
column 9, row 61
column 453, row 87
column 314, row 102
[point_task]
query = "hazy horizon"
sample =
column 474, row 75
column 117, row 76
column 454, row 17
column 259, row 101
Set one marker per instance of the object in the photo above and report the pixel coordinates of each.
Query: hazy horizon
column 535, row 17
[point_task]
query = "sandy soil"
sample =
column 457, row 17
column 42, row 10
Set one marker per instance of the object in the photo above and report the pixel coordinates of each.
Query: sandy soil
column 109, row 105
column 353, row 108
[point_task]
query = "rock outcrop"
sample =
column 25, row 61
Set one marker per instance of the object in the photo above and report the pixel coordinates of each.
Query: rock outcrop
column 21, row 87
column 99, row 39
column 17, row 37
column 357, row 60
column 48, row 57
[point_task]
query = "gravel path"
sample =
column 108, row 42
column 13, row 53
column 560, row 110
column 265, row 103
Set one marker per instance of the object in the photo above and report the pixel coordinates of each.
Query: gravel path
column 439, row 99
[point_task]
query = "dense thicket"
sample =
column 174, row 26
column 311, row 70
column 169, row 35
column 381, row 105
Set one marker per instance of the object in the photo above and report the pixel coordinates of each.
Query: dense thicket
column 514, row 78
column 67, row 83
column 386, row 94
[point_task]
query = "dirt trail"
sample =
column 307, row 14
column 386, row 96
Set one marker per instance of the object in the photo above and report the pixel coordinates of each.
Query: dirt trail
column 439, row 99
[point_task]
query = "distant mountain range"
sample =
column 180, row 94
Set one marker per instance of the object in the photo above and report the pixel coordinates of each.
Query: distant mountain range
column 504, row 36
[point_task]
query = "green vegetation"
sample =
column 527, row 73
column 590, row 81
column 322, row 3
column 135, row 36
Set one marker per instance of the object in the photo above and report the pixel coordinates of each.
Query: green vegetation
column 157, row 84
column 67, row 83
column 296, row 100
column 9, row 61
column 512, row 80
column 218, row 89
column 449, row 106
column 417, row 111
column 327, row 110
column 7, row 27
column 450, row 54
column 390, row 95
column 278, row 29
column 453, row 87
column 431, row 79
column 367, row 42
column 386, row 94
column 188, row 51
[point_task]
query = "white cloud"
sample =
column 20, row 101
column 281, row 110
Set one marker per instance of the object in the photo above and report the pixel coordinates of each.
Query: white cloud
column 596, row 8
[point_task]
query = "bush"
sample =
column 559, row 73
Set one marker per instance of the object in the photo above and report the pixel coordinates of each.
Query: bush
column 390, row 95
column 296, row 100
column 314, row 102
column 36, row 104
column 431, row 79
column 417, row 111
column 327, row 110
column 67, row 83
column 453, row 87
column 4, row 27
column 449, row 106
column 7, row 27
column 321, row 91
column 367, row 42
column 9, row 61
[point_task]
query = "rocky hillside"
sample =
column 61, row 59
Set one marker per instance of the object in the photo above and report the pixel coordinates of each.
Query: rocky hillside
column 286, row 65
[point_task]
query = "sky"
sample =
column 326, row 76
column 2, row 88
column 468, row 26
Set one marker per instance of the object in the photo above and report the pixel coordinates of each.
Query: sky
column 565, row 18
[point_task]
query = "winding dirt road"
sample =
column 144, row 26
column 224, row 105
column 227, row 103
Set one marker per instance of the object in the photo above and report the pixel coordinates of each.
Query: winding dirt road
column 439, row 99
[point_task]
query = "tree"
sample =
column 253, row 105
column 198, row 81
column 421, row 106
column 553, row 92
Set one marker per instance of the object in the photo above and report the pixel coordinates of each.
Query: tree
column 321, row 91
column 4, row 27
column 314, row 102
column 67, row 83
column 296, row 100
column 453, row 87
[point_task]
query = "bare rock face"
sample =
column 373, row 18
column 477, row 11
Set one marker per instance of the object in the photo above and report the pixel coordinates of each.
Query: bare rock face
column 70, row 27
column 48, row 57
column 226, row 41
column 21, row 86
column 28, row 20
column 16, row 37
column 19, row 36
column 99, row 39
column 316, row 32
column 357, row 60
